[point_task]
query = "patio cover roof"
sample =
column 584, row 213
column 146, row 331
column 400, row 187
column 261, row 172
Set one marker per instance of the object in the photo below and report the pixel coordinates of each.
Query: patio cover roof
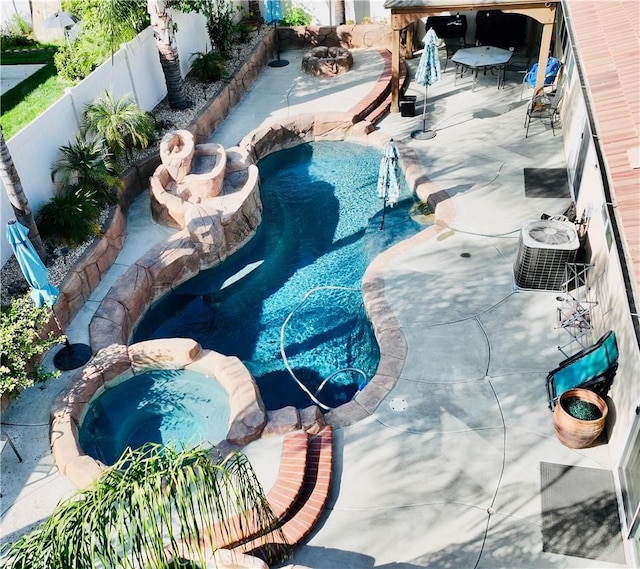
column 405, row 12
column 458, row 4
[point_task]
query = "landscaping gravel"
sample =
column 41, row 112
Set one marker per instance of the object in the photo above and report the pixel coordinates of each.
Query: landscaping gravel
column 61, row 259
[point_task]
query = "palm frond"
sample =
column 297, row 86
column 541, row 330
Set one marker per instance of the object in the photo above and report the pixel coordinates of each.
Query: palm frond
column 120, row 122
column 146, row 510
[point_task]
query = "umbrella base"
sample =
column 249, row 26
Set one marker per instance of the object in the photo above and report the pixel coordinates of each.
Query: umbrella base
column 278, row 63
column 72, row 356
column 423, row 134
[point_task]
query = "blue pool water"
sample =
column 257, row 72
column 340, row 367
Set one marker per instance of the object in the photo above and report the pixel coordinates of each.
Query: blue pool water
column 161, row 406
column 320, row 228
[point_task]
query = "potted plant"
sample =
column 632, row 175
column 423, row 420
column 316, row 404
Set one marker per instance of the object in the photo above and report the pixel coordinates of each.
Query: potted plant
column 579, row 417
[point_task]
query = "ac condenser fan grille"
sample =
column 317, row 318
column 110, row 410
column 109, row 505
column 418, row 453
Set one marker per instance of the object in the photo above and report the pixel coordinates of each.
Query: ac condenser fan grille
column 550, row 235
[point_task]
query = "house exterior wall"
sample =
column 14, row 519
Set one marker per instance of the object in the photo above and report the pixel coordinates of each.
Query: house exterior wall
column 606, row 280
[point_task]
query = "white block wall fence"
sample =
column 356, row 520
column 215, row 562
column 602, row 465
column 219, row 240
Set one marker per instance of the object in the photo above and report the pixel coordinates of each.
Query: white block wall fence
column 134, row 69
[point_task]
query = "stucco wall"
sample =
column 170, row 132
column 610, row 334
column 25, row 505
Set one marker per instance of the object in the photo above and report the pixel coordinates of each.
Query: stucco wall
column 606, row 281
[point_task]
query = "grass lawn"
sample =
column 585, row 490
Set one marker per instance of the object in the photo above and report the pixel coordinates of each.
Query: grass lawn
column 32, row 96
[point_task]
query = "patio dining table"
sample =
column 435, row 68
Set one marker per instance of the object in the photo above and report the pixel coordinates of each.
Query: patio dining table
column 482, row 57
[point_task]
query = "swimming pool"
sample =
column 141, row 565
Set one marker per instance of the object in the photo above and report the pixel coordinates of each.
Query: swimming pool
column 320, row 231
column 179, row 407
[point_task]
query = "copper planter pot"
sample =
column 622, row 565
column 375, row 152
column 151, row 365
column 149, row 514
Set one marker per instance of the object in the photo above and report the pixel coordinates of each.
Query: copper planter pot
column 578, row 433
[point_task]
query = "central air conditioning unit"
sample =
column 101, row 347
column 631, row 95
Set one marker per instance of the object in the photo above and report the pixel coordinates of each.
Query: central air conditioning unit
column 546, row 246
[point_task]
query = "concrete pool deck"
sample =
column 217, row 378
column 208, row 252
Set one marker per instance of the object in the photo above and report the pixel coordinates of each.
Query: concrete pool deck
column 446, row 471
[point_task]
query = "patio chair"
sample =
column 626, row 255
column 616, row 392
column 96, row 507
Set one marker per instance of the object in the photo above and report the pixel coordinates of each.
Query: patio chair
column 592, row 368
column 452, row 30
column 551, row 73
column 451, row 45
column 544, row 107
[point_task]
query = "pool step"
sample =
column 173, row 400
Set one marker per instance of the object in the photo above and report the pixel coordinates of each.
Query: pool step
column 288, row 485
column 307, row 508
column 376, row 105
column 297, row 499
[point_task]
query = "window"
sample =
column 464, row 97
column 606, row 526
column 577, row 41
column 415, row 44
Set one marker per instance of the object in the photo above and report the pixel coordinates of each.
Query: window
column 606, row 222
column 630, row 482
column 585, row 138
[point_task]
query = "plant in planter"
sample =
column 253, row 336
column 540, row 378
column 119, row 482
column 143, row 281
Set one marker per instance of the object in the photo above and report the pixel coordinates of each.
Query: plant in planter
column 70, row 217
column 249, row 22
column 88, row 164
column 579, row 417
column 244, row 29
column 219, row 21
column 120, row 122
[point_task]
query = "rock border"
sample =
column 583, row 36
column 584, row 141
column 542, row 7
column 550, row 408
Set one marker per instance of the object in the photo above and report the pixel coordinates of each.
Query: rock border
column 89, row 270
column 117, row 362
column 180, row 257
column 198, row 246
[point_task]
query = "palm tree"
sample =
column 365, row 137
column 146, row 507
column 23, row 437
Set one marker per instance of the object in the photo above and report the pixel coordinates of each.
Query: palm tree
column 19, row 202
column 88, row 165
column 121, row 123
column 341, row 14
column 152, row 508
column 163, row 31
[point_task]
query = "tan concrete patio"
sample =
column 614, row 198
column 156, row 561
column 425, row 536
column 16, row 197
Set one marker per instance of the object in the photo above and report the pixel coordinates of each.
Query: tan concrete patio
column 454, row 479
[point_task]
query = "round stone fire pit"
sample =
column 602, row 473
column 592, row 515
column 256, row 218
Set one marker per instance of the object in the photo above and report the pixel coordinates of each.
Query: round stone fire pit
column 327, row 61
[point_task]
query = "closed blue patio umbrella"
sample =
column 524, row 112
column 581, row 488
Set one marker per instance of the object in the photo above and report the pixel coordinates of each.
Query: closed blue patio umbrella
column 272, row 15
column 32, row 267
column 427, row 74
column 387, row 187
column 42, row 291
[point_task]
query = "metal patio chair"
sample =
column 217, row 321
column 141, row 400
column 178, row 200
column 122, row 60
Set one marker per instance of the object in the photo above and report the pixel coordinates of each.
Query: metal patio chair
column 551, row 73
column 544, row 106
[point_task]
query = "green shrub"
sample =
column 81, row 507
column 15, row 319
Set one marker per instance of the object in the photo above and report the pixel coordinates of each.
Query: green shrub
column 122, row 123
column 128, row 517
column 87, row 165
column 74, row 62
column 244, row 29
column 22, row 345
column 103, row 27
column 296, row 16
column 16, row 34
column 220, row 26
column 69, row 218
column 208, row 67
column 219, row 20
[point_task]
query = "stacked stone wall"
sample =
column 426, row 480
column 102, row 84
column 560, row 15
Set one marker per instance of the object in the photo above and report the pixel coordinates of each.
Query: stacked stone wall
column 350, row 36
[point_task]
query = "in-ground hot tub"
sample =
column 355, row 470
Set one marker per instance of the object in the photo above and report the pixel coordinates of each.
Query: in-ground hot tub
column 171, row 407
column 162, row 391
